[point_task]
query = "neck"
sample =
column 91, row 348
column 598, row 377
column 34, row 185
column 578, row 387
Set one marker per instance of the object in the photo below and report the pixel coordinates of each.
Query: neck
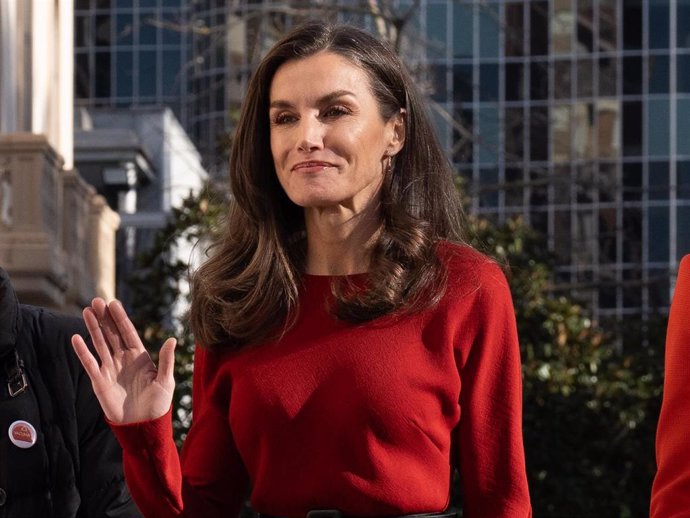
column 338, row 243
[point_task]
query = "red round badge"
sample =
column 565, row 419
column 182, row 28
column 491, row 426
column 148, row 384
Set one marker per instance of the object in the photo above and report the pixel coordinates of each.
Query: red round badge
column 22, row 434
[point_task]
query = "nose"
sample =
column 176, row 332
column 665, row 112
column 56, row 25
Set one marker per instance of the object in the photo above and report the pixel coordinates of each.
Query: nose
column 310, row 134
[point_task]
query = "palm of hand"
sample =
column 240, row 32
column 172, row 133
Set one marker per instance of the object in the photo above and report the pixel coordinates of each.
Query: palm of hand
column 126, row 383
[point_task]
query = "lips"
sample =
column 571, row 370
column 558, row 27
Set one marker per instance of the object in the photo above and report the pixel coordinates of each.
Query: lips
column 311, row 166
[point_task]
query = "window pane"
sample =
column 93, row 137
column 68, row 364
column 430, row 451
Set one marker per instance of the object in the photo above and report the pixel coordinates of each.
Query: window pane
column 658, row 181
column 683, row 130
column 607, row 76
column 609, row 114
column 584, row 78
column 683, row 71
column 658, row 241
column 607, row 236
column 539, row 84
column 82, row 76
column 439, row 88
column 632, row 182
column 683, row 23
column 632, row 24
column 659, row 74
column 539, row 146
column 514, row 37
column 488, row 83
column 102, row 31
column 488, row 187
column 562, row 27
column 659, row 27
column 462, row 30
column 683, row 227
column 561, row 133
column 462, row 83
column 148, row 30
column 632, row 128
column 514, row 126
column 632, row 235
column 514, row 82
column 539, row 33
column 658, row 126
column 489, row 31
column 562, row 80
column 171, row 73
column 488, row 135
column 102, row 64
column 632, row 75
column 125, row 74
column 147, row 75
column 436, row 16
column 683, row 183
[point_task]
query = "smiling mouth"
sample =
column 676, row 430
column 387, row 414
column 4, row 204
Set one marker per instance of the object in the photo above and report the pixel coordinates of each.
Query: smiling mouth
column 311, row 166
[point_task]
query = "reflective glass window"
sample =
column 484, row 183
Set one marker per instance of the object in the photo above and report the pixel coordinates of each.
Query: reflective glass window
column 562, row 27
column 82, row 76
column 462, row 30
column 103, row 74
column 607, row 76
column 124, row 68
column 102, row 31
column 147, row 3
column 539, row 134
column 585, row 37
column 562, row 80
column 436, row 17
column 489, row 31
column 561, row 185
column 539, row 80
column 632, row 235
column 171, row 70
column 172, row 29
column 82, row 4
column 488, row 83
column 607, row 235
column 539, row 32
column 659, row 74
column 147, row 75
column 514, row 81
column 585, row 186
column 608, row 25
column 658, row 126
column 608, row 182
column 584, row 78
column 561, row 235
column 514, row 34
column 658, row 242
column 683, row 23
column 632, row 128
column 683, row 182
column 683, row 73
column 514, row 184
column 632, row 25
column 658, row 181
column 148, row 28
column 462, row 83
column 561, row 133
column 488, row 187
column 632, row 75
column 632, row 288
column 609, row 119
column 514, row 128
column 488, row 134
column 82, row 34
column 539, row 221
column 538, row 191
column 683, row 126
column 632, row 182
column 102, row 4
column 659, row 26
column 124, row 29
column 439, row 88
column 463, row 140
column 658, row 287
column 683, row 232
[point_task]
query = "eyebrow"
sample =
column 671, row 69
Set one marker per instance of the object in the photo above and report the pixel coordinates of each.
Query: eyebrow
column 323, row 100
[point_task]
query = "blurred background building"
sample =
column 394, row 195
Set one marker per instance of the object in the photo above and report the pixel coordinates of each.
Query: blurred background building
column 57, row 236
column 572, row 114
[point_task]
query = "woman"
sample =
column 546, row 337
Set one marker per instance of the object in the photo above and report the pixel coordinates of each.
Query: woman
column 671, row 488
column 350, row 356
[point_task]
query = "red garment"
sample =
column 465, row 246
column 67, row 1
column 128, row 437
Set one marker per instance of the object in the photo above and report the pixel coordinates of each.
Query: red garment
column 365, row 418
column 671, row 488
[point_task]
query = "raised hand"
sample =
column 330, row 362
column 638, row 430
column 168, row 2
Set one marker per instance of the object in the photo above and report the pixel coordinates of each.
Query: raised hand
column 126, row 383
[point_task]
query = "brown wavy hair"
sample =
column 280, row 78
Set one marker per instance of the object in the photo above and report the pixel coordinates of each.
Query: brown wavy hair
column 248, row 290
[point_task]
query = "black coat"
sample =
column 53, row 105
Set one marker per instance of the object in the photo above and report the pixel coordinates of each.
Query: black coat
column 74, row 469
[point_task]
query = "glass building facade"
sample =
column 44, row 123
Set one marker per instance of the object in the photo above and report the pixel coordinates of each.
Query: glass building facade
column 576, row 117
column 133, row 53
column 573, row 114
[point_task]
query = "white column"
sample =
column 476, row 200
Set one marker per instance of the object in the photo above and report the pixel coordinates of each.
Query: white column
column 8, row 66
column 65, row 77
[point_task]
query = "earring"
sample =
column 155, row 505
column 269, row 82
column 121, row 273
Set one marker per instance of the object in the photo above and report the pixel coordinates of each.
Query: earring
column 389, row 165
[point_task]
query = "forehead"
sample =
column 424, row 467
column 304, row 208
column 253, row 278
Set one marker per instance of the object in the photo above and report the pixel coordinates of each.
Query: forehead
column 309, row 79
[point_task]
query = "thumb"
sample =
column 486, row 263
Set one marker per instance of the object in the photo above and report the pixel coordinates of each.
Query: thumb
column 166, row 363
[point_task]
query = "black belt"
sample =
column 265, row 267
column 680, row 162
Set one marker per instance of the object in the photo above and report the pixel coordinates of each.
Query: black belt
column 335, row 513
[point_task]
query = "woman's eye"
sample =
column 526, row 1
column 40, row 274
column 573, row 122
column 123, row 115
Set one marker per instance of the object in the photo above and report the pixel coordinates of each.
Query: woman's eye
column 283, row 118
column 336, row 111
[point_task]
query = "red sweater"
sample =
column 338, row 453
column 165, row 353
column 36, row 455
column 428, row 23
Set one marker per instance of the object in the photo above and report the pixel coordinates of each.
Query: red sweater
column 369, row 419
column 671, row 489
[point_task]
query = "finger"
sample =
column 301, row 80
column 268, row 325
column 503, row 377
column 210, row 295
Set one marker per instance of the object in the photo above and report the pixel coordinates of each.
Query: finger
column 99, row 342
column 127, row 331
column 86, row 358
column 166, row 363
column 107, row 324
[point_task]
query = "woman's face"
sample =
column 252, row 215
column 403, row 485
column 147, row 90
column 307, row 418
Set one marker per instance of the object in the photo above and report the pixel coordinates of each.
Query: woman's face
column 328, row 139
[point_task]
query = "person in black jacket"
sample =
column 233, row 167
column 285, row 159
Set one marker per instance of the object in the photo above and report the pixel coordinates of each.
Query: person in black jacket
column 58, row 457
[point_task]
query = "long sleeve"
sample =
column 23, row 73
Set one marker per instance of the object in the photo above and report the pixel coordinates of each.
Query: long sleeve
column 210, row 479
column 671, row 488
column 490, row 445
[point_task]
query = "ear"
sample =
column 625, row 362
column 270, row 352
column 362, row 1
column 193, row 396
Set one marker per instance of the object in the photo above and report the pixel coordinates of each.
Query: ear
column 396, row 127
